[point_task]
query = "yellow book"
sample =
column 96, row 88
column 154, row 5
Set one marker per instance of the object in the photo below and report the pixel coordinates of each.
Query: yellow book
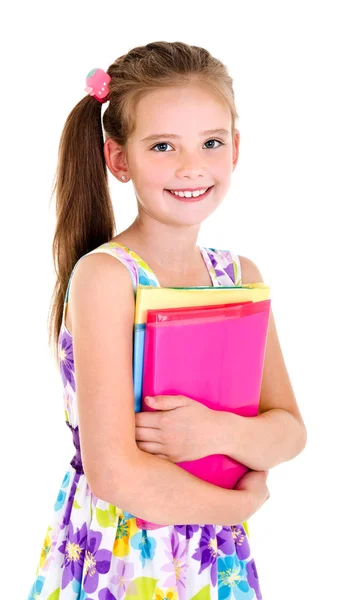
column 150, row 297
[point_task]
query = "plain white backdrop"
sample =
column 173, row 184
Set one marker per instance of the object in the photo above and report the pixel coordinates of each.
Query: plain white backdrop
column 287, row 210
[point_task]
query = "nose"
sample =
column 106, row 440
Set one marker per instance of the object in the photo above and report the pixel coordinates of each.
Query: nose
column 190, row 166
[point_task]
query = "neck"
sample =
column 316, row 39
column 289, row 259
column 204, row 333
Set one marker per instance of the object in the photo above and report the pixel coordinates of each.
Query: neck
column 178, row 254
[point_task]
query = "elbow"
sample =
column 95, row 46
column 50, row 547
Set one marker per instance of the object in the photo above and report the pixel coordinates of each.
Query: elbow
column 303, row 438
column 294, row 446
column 99, row 488
column 301, row 442
column 115, row 482
column 110, row 488
column 98, row 485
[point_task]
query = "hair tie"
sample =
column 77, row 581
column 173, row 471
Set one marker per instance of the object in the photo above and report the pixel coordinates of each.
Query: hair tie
column 97, row 84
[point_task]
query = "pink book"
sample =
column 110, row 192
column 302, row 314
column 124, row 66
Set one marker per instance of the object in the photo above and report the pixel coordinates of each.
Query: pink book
column 214, row 355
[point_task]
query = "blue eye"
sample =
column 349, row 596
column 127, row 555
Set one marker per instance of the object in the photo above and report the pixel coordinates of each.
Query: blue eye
column 215, row 141
column 167, row 144
column 160, row 144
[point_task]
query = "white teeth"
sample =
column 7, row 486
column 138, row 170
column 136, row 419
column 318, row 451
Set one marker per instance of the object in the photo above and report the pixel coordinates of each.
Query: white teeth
column 189, row 194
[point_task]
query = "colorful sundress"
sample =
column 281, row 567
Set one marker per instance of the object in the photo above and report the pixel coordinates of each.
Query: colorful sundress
column 94, row 550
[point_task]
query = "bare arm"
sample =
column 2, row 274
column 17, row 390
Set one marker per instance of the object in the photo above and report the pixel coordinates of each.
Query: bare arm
column 160, row 491
column 261, row 442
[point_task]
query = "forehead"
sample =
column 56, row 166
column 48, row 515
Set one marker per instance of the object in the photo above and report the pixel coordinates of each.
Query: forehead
column 189, row 107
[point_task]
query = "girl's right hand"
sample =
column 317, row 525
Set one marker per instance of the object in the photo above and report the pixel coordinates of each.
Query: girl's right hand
column 254, row 482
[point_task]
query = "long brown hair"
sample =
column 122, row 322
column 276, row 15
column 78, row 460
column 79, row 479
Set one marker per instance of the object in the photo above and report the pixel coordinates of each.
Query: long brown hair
column 84, row 211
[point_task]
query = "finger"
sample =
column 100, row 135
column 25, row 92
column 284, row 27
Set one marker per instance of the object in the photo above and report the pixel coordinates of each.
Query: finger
column 147, row 434
column 148, row 419
column 151, row 447
column 146, row 448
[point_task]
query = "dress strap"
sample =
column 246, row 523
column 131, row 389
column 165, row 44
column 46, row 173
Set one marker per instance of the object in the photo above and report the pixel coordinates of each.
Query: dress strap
column 225, row 266
column 236, row 268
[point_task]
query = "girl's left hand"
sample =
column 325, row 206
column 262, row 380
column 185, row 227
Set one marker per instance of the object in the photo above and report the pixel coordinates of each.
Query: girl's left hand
column 179, row 430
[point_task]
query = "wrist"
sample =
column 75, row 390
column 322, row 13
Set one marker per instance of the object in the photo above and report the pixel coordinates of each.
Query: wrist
column 244, row 505
column 222, row 431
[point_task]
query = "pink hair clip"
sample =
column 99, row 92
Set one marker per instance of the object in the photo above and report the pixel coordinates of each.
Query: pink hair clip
column 97, row 84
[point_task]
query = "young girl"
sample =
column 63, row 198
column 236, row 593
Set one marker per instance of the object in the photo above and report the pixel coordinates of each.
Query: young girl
column 175, row 100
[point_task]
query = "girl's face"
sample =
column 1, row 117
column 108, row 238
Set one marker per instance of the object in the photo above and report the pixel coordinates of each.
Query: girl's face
column 181, row 155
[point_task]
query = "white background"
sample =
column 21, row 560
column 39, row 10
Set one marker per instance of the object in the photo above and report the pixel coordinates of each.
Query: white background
column 286, row 210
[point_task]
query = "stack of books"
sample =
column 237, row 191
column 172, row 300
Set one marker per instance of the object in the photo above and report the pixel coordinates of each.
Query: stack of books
column 206, row 343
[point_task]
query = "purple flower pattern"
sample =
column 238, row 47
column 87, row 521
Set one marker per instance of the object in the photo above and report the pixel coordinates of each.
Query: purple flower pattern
column 73, row 548
column 97, row 561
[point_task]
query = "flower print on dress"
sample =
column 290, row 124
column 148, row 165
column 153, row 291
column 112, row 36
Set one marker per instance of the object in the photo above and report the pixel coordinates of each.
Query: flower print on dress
column 104, row 594
column 176, row 564
column 139, row 269
column 241, row 542
column 126, row 254
column 74, row 550
column 68, row 508
column 48, row 550
column 123, row 579
column 123, row 535
column 232, row 579
column 253, row 579
column 207, row 552
column 217, row 264
column 65, row 353
column 62, row 493
column 96, row 562
column 168, row 594
column 70, row 406
column 36, row 588
column 187, row 530
column 143, row 278
column 144, row 542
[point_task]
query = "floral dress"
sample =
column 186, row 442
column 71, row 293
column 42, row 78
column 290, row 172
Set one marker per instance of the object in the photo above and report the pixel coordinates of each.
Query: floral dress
column 94, row 550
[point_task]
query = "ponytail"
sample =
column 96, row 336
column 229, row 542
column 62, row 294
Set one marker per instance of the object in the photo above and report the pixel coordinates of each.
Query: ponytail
column 84, row 212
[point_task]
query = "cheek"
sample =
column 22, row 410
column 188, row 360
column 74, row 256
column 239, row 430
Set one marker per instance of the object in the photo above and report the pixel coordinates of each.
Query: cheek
column 224, row 172
column 152, row 175
column 143, row 168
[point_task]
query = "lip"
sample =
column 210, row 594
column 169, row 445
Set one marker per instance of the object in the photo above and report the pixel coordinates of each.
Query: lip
column 191, row 199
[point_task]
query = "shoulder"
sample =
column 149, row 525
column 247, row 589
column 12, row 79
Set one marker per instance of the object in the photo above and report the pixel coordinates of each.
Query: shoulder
column 250, row 271
column 96, row 268
column 99, row 284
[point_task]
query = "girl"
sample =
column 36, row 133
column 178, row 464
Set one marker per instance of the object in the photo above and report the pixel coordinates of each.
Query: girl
column 96, row 547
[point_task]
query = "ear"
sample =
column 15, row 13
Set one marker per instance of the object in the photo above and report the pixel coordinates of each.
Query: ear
column 115, row 158
column 235, row 148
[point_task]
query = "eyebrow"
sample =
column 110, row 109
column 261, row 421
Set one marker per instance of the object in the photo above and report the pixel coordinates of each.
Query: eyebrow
column 157, row 136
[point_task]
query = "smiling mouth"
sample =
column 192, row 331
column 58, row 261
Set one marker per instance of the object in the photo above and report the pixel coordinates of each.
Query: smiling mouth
column 191, row 198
